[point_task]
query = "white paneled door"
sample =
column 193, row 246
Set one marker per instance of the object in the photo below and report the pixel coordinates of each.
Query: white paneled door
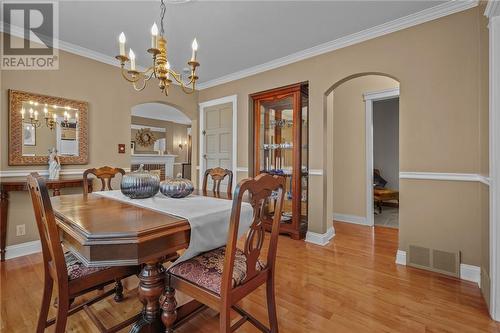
column 218, row 138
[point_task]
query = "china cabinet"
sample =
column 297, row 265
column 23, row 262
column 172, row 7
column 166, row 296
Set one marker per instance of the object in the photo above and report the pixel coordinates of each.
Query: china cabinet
column 281, row 148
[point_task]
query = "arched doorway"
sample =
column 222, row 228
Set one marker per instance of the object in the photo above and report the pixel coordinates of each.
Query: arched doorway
column 351, row 140
column 161, row 139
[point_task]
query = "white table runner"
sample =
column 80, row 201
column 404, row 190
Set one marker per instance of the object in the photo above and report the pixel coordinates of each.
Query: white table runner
column 208, row 217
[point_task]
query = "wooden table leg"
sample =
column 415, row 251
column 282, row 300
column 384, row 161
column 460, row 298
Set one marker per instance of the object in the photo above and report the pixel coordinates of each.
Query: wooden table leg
column 169, row 307
column 4, row 207
column 151, row 287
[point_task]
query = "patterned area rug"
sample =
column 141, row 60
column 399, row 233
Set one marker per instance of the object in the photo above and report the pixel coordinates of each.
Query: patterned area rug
column 388, row 218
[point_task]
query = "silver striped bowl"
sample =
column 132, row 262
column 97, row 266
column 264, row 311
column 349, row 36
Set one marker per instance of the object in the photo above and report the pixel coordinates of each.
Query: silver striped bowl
column 140, row 184
column 176, row 187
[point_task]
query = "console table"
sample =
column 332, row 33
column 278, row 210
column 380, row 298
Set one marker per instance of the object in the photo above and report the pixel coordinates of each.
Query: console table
column 9, row 184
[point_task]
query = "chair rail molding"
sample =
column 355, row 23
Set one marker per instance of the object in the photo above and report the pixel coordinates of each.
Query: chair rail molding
column 44, row 172
column 315, row 172
column 464, row 177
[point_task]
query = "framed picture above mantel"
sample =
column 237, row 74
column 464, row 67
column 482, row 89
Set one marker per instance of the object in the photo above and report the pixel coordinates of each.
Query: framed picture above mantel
column 280, row 132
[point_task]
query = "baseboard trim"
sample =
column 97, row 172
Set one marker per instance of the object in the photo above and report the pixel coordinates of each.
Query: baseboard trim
column 23, row 249
column 467, row 272
column 401, row 258
column 350, row 219
column 470, row 273
column 320, row 239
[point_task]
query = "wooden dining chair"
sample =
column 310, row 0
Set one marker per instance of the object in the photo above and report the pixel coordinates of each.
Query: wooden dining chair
column 217, row 175
column 105, row 174
column 222, row 277
column 66, row 271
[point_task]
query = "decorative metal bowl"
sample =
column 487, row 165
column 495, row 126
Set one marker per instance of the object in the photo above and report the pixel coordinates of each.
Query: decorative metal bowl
column 176, row 187
column 140, row 184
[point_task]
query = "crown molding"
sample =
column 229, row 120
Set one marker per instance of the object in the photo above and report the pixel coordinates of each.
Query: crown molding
column 75, row 49
column 492, row 9
column 426, row 15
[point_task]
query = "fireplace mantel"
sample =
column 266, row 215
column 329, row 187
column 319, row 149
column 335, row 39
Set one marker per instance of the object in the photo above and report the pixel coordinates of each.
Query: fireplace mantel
column 167, row 160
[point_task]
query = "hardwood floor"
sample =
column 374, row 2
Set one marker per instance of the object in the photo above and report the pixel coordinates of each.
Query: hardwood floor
column 350, row 285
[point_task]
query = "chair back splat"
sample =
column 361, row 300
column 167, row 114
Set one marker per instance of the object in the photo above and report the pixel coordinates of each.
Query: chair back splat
column 217, row 175
column 243, row 271
column 105, row 174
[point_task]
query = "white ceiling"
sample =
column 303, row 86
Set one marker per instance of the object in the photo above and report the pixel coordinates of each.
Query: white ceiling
column 160, row 111
column 233, row 35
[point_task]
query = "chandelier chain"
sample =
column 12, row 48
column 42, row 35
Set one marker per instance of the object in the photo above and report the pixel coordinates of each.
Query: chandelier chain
column 163, row 9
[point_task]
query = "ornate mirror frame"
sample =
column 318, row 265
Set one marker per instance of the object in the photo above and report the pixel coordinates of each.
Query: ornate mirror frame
column 16, row 98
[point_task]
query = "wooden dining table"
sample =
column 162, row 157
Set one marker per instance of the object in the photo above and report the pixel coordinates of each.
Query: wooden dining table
column 106, row 232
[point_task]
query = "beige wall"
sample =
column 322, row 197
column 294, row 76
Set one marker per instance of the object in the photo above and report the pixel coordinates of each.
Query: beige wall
column 110, row 100
column 437, row 66
column 347, row 145
column 441, row 66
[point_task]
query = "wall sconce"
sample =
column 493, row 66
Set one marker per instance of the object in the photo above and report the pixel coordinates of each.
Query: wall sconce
column 182, row 144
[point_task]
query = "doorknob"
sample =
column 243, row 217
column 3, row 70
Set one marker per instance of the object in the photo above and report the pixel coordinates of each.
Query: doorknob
column 205, row 156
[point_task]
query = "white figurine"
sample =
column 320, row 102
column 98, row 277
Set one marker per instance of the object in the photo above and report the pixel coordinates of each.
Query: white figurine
column 54, row 164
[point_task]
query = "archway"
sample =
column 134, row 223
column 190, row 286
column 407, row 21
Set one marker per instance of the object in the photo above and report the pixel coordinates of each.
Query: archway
column 348, row 148
column 161, row 139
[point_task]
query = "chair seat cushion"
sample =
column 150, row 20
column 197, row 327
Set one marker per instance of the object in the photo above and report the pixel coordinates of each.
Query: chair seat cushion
column 206, row 269
column 76, row 269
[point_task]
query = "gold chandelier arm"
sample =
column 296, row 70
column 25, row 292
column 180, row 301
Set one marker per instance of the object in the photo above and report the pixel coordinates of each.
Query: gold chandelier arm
column 177, row 78
column 132, row 79
column 141, row 88
column 188, row 91
column 144, row 82
column 135, row 76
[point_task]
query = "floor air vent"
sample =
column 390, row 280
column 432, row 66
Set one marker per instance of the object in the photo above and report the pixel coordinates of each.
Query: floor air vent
column 434, row 260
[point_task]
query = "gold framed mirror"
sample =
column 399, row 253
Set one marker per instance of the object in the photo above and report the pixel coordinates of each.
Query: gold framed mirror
column 38, row 123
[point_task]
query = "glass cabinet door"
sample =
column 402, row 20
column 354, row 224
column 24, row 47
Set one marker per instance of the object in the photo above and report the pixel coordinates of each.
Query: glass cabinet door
column 276, row 149
column 280, row 148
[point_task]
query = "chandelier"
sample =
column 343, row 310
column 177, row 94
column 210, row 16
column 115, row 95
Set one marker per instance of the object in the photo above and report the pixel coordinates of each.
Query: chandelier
column 161, row 67
column 50, row 118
